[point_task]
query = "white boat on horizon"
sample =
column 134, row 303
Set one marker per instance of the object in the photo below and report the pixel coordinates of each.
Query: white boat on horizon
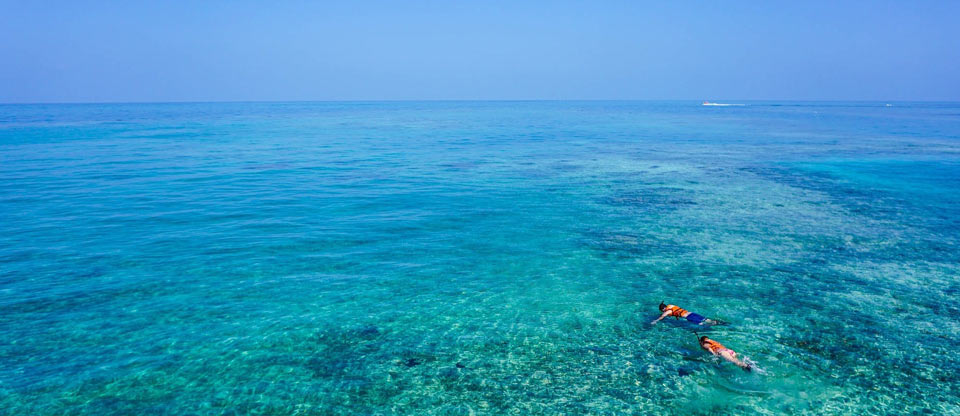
column 720, row 104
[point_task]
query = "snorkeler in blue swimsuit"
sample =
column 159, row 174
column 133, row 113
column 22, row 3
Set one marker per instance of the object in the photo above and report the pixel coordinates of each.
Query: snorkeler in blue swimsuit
column 677, row 312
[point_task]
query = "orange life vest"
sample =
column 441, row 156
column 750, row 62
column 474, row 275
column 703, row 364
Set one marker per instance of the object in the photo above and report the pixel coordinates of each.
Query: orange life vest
column 712, row 346
column 675, row 311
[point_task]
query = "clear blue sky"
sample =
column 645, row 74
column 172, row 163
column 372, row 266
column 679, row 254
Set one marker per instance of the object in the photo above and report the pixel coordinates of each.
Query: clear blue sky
column 93, row 51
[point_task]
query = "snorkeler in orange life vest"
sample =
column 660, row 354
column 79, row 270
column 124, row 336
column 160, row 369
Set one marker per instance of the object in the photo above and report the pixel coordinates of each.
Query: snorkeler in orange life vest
column 677, row 312
column 718, row 349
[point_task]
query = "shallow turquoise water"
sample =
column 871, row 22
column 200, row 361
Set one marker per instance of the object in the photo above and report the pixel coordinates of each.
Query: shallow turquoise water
column 478, row 258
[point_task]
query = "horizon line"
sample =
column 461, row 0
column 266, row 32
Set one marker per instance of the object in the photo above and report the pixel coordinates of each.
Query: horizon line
column 466, row 100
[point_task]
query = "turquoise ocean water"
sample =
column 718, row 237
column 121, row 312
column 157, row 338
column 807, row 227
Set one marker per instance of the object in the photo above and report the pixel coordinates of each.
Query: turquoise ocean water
column 478, row 258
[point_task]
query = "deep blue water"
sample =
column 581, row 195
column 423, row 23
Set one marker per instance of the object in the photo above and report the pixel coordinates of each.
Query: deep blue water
column 478, row 258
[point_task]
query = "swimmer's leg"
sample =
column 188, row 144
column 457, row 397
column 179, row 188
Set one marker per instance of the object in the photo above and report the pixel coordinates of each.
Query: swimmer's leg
column 732, row 357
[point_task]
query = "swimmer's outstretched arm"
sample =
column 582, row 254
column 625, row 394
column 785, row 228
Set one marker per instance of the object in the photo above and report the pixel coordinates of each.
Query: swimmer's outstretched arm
column 663, row 315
